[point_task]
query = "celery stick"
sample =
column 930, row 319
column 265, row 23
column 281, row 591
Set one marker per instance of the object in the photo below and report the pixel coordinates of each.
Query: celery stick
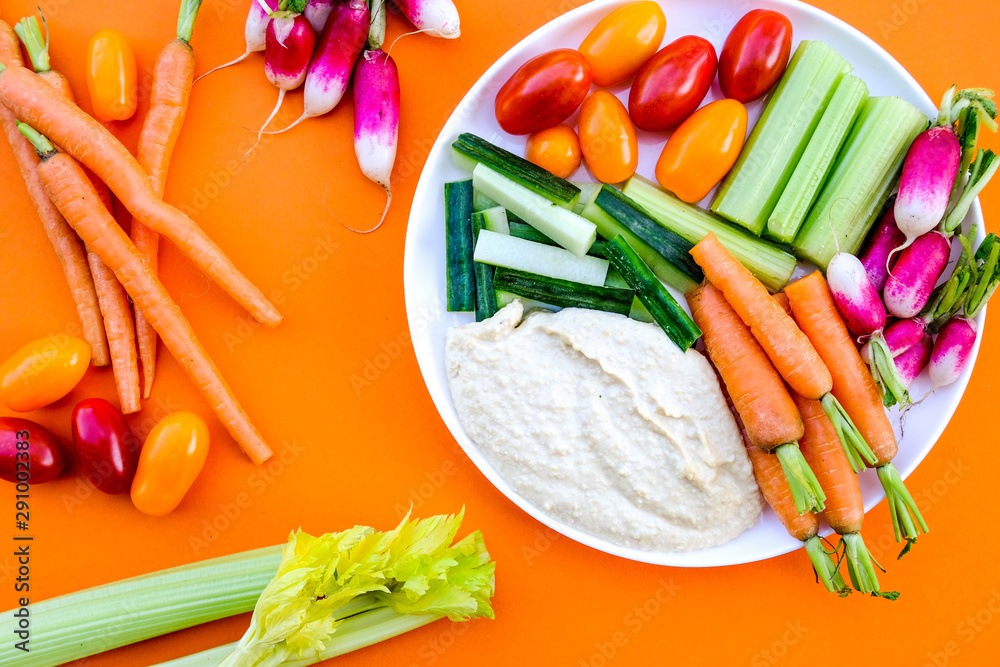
column 752, row 189
column 861, row 180
column 818, row 159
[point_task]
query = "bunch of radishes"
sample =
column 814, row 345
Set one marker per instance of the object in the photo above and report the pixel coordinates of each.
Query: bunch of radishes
column 908, row 251
column 322, row 43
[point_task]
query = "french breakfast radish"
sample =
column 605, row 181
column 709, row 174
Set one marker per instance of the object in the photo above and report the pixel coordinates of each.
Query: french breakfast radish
column 914, row 360
column 877, row 254
column 929, row 172
column 254, row 32
column 437, row 17
column 952, row 349
column 290, row 41
column 855, row 296
column 916, row 272
column 340, row 44
column 376, row 119
column 317, row 12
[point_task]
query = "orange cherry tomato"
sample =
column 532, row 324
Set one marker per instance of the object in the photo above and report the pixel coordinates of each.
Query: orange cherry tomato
column 702, row 150
column 607, row 138
column 42, row 372
column 556, row 149
column 623, row 41
column 111, row 76
column 171, row 459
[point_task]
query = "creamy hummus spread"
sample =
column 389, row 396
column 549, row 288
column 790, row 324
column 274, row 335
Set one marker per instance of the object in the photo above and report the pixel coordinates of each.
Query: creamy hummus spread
column 604, row 424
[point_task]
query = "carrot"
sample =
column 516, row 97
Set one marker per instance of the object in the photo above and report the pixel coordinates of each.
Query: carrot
column 173, row 76
column 111, row 296
column 814, row 309
column 845, row 510
column 788, row 348
column 756, row 390
column 68, row 188
column 41, row 107
column 68, row 247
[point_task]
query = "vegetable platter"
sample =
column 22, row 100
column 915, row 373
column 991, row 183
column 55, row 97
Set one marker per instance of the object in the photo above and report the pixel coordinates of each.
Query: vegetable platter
column 476, row 114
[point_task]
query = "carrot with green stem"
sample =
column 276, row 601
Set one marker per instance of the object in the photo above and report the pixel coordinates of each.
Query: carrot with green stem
column 67, row 245
column 845, row 510
column 173, row 76
column 817, row 315
column 768, row 413
column 69, row 189
column 115, row 307
column 790, row 350
column 37, row 104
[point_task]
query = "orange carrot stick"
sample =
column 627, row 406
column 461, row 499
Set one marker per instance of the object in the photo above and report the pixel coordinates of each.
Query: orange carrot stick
column 41, row 107
column 788, row 348
column 173, row 76
column 68, row 247
column 814, row 309
column 68, row 188
column 845, row 511
column 772, row 422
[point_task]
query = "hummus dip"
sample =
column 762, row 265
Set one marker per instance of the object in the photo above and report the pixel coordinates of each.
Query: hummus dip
column 605, row 425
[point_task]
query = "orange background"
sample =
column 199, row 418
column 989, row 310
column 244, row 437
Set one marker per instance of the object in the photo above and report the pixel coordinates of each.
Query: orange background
column 359, row 453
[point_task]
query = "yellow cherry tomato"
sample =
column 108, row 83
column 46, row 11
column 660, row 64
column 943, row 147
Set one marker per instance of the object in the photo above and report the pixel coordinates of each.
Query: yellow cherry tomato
column 556, row 149
column 702, row 150
column 623, row 41
column 171, row 459
column 607, row 138
column 111, row 76
column 42, row 372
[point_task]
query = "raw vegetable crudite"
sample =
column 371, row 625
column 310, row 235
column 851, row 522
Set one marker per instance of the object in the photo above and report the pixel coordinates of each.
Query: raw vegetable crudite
column 672, row 84
column 29, row 452
column 104, row 444
column 111, row 76
column 43, row 371
column 755, row 55
column 543, row 92
column 170, row 461
column 623, row 41
column 255, row 31
column 436, row 17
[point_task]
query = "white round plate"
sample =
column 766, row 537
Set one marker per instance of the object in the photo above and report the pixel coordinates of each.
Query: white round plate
column 424, row 258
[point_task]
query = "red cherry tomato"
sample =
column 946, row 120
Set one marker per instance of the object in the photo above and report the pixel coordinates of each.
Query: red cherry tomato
column 755, row 55
column 672, row 84
column 107, row 450
column 544, row 92
column 28, row 452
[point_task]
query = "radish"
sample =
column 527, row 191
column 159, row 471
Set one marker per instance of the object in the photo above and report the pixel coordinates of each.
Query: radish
column 376, row 33
column 437, row 17
column 900, row 337
column 254, row 32
column 913, row 361
column 290, row 41
column 952, row 350
column 877, row 256
column 340, row 44
column 929, row 173
column 915, row 274
column 376, row 119
column 855, row 296
column 317, row 12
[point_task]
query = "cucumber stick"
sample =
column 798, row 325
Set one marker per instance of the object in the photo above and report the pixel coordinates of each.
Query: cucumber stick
column 515, row 253
column 523, row 230
column 665, row 252
column 486, row 298
column 772, row 265
column 564, row 293
column 561, row 225
column 458, row 246
column 804, row 186
column 494, row 219
column 862, row 178
column 471, row 150
column 673, row 319
column 750, row 192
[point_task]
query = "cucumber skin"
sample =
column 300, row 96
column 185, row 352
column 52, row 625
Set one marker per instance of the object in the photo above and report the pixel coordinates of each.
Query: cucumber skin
column 564, row 293
column 486, row 297
column 459, row 246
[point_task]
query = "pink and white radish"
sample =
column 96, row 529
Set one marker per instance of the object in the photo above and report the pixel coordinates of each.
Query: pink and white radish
column 317, row 12
column 877, row 255
column 255, row 29
column 914, row 360
column 952, row 350
column 915, row 274
column 855, row 296
column 925, row 186
column 340, row 44
column 289, row 47
column 376, row 119
column 436, row 17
